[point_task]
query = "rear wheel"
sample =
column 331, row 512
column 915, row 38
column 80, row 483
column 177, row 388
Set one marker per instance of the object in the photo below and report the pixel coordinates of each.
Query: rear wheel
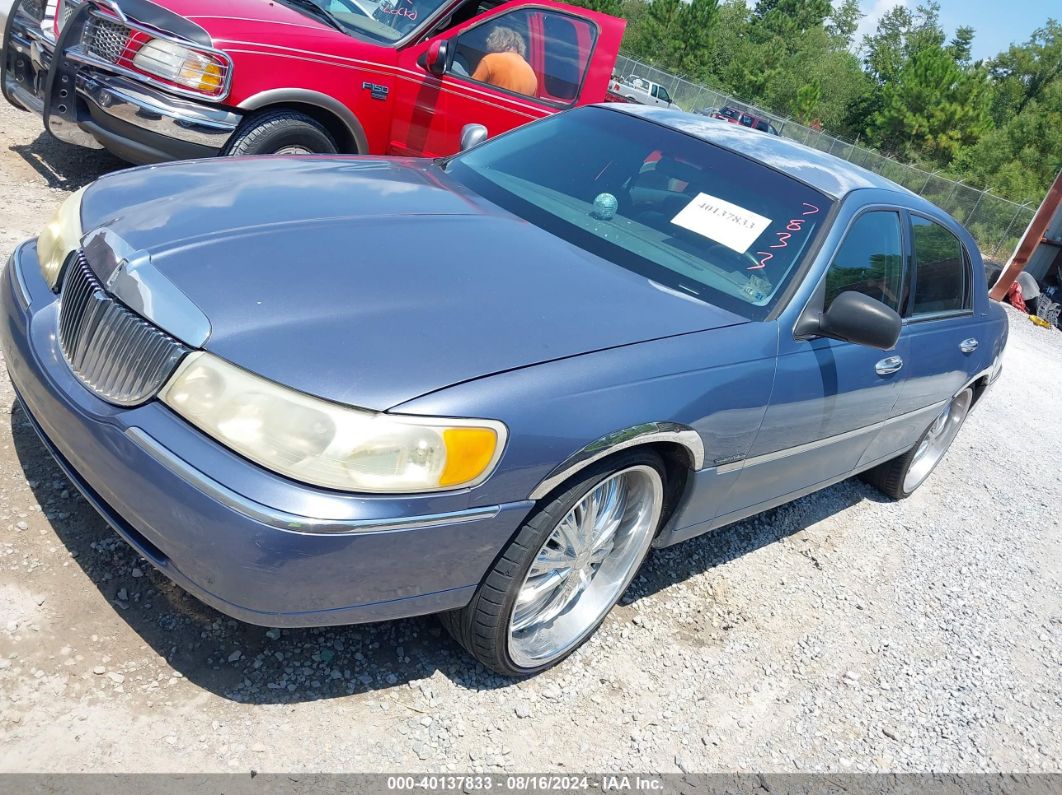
column 900, row 477
column 281, row 132
column 566, row 568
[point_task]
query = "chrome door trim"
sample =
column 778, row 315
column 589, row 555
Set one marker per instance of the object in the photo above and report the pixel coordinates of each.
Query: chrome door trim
column 616, row 441
column 807, row 447
column 889, row 365
column 289, row 522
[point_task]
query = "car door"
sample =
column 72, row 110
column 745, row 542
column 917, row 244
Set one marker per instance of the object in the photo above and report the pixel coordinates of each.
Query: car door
column 557, row 44
column 946, row 350
column 831, row 398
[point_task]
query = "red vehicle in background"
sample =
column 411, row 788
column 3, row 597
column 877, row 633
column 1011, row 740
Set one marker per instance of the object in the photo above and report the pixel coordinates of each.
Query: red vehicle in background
column 745, row 119
column 172, row 79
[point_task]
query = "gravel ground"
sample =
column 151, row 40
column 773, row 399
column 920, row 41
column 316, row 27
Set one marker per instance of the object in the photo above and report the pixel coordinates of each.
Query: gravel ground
column 842, row 632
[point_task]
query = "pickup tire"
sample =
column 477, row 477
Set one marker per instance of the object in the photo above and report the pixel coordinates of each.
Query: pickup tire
column 281, row 132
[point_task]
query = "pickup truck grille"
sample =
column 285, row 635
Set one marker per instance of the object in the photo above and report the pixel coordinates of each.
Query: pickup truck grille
column 114, row 352
column 34, row 9
column 106, row 39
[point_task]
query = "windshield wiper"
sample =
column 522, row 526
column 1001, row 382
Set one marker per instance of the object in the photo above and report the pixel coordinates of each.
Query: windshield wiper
column 322, row 14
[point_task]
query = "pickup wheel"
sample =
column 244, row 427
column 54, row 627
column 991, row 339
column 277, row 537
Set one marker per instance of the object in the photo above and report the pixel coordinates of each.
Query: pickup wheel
column 281, row 132
column 568, row 565
column 899, row 477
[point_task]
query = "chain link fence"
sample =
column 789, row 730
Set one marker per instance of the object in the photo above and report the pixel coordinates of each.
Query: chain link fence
column 996, row 223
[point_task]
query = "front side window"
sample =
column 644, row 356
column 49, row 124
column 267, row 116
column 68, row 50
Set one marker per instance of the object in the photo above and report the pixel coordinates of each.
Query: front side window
column 869, row 261
column 694, row 218
column 661, row 94
column 941, row 274
column 533, row 52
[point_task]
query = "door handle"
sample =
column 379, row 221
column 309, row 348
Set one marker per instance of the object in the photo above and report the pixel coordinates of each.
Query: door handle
column 888, row 365
column 968, row 345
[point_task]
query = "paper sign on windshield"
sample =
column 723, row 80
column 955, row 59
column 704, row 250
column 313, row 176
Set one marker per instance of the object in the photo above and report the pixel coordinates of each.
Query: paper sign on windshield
column 726, row 223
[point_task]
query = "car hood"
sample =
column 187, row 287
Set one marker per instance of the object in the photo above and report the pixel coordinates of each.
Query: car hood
column 371, row 281
column 233, row 22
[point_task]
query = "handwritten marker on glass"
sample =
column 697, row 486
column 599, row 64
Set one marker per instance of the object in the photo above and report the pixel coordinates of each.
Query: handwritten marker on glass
column 605, row 206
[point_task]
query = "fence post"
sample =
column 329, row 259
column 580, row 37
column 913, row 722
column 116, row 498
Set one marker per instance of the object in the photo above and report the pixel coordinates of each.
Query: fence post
column 1010, row 226
column 926, row 185
column 976, row 205
column 954, row 187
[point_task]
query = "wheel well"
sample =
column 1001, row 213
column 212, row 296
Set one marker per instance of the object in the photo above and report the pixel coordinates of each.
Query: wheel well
column 678, row 464
column 678, row 468
column 979, row 386
column 336, row 128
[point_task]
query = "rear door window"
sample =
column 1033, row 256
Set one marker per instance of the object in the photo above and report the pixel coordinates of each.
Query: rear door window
column 941, row 272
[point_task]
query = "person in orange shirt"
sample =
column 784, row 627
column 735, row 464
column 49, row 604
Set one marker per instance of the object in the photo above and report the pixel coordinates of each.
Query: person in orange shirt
column 505, row 65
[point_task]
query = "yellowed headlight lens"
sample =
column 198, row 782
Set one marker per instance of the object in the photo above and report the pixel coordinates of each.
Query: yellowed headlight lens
column 325, row 444
column 59, row 238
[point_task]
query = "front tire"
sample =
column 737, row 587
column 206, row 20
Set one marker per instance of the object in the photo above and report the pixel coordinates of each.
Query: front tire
column 566, row 568
column 281, row 132
column 900, row 477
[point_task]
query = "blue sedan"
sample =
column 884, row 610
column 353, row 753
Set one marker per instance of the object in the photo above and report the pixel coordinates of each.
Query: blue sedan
column 333, row 390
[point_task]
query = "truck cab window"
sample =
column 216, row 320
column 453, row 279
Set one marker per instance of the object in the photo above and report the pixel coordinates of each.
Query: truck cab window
column 533, row 52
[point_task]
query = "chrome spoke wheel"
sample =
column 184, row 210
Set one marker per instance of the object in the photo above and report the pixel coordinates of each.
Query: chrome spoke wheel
column 584, row 566
column 937, row 440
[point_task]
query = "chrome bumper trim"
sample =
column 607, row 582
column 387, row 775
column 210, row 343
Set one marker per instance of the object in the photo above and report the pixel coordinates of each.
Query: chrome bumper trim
column 143, row 107
column 292, row 523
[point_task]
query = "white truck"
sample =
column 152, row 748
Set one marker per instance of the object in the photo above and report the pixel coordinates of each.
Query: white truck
column 641, row 91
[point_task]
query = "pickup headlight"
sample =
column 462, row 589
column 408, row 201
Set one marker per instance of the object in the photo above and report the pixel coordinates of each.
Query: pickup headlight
column 59, row 238
column 182, row 65
column 326, row 444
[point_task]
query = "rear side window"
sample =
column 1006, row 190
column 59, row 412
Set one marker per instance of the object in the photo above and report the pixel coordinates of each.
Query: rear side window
column 869, row 261
column 942, row 278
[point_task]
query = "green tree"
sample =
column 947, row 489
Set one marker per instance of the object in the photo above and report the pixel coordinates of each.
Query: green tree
column 807, row 101
column 932, row 108
column 843, row 23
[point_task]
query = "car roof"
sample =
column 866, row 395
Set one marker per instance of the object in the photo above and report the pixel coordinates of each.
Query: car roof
column 829, row 174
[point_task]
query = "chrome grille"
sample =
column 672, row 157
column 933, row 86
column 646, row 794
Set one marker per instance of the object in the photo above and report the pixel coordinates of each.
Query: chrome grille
column 113, row 351
column 66, row 11
column 105, row 39
column 34, row 9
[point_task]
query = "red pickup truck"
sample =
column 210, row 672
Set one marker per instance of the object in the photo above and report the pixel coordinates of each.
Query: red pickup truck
column 154, row 80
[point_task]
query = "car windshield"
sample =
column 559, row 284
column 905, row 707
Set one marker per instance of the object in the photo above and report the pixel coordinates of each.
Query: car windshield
column 695, row 218
column 382, row 20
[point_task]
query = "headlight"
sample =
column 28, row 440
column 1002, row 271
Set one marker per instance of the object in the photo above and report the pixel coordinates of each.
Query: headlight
column 59, row 238
column 182, row 65
column 325, row 444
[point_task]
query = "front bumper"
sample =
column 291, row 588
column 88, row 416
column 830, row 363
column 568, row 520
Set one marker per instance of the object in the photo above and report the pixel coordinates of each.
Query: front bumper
column 96, row 108
column 251, row 544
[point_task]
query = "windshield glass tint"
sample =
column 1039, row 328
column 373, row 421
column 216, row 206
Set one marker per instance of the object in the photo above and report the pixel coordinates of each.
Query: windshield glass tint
column 386, row 20
column 691, row 216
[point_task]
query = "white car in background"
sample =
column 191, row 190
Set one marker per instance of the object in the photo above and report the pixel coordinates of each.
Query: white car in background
column 641, row 91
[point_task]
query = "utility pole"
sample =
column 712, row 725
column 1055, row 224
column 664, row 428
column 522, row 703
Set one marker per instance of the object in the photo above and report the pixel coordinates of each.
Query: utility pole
column 1033, row 235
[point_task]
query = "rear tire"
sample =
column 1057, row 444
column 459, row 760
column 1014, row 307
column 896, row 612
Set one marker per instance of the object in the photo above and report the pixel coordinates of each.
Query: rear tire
column 900, row 477
column 586, row 545
column 281, row 132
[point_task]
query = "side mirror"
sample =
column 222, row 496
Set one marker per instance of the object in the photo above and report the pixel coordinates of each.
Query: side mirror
column 433, row 59
column 472, row 135
column 857, row 318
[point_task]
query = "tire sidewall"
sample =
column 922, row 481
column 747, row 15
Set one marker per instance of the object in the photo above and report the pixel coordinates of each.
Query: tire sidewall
column 556, row 506
column 272, row 132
